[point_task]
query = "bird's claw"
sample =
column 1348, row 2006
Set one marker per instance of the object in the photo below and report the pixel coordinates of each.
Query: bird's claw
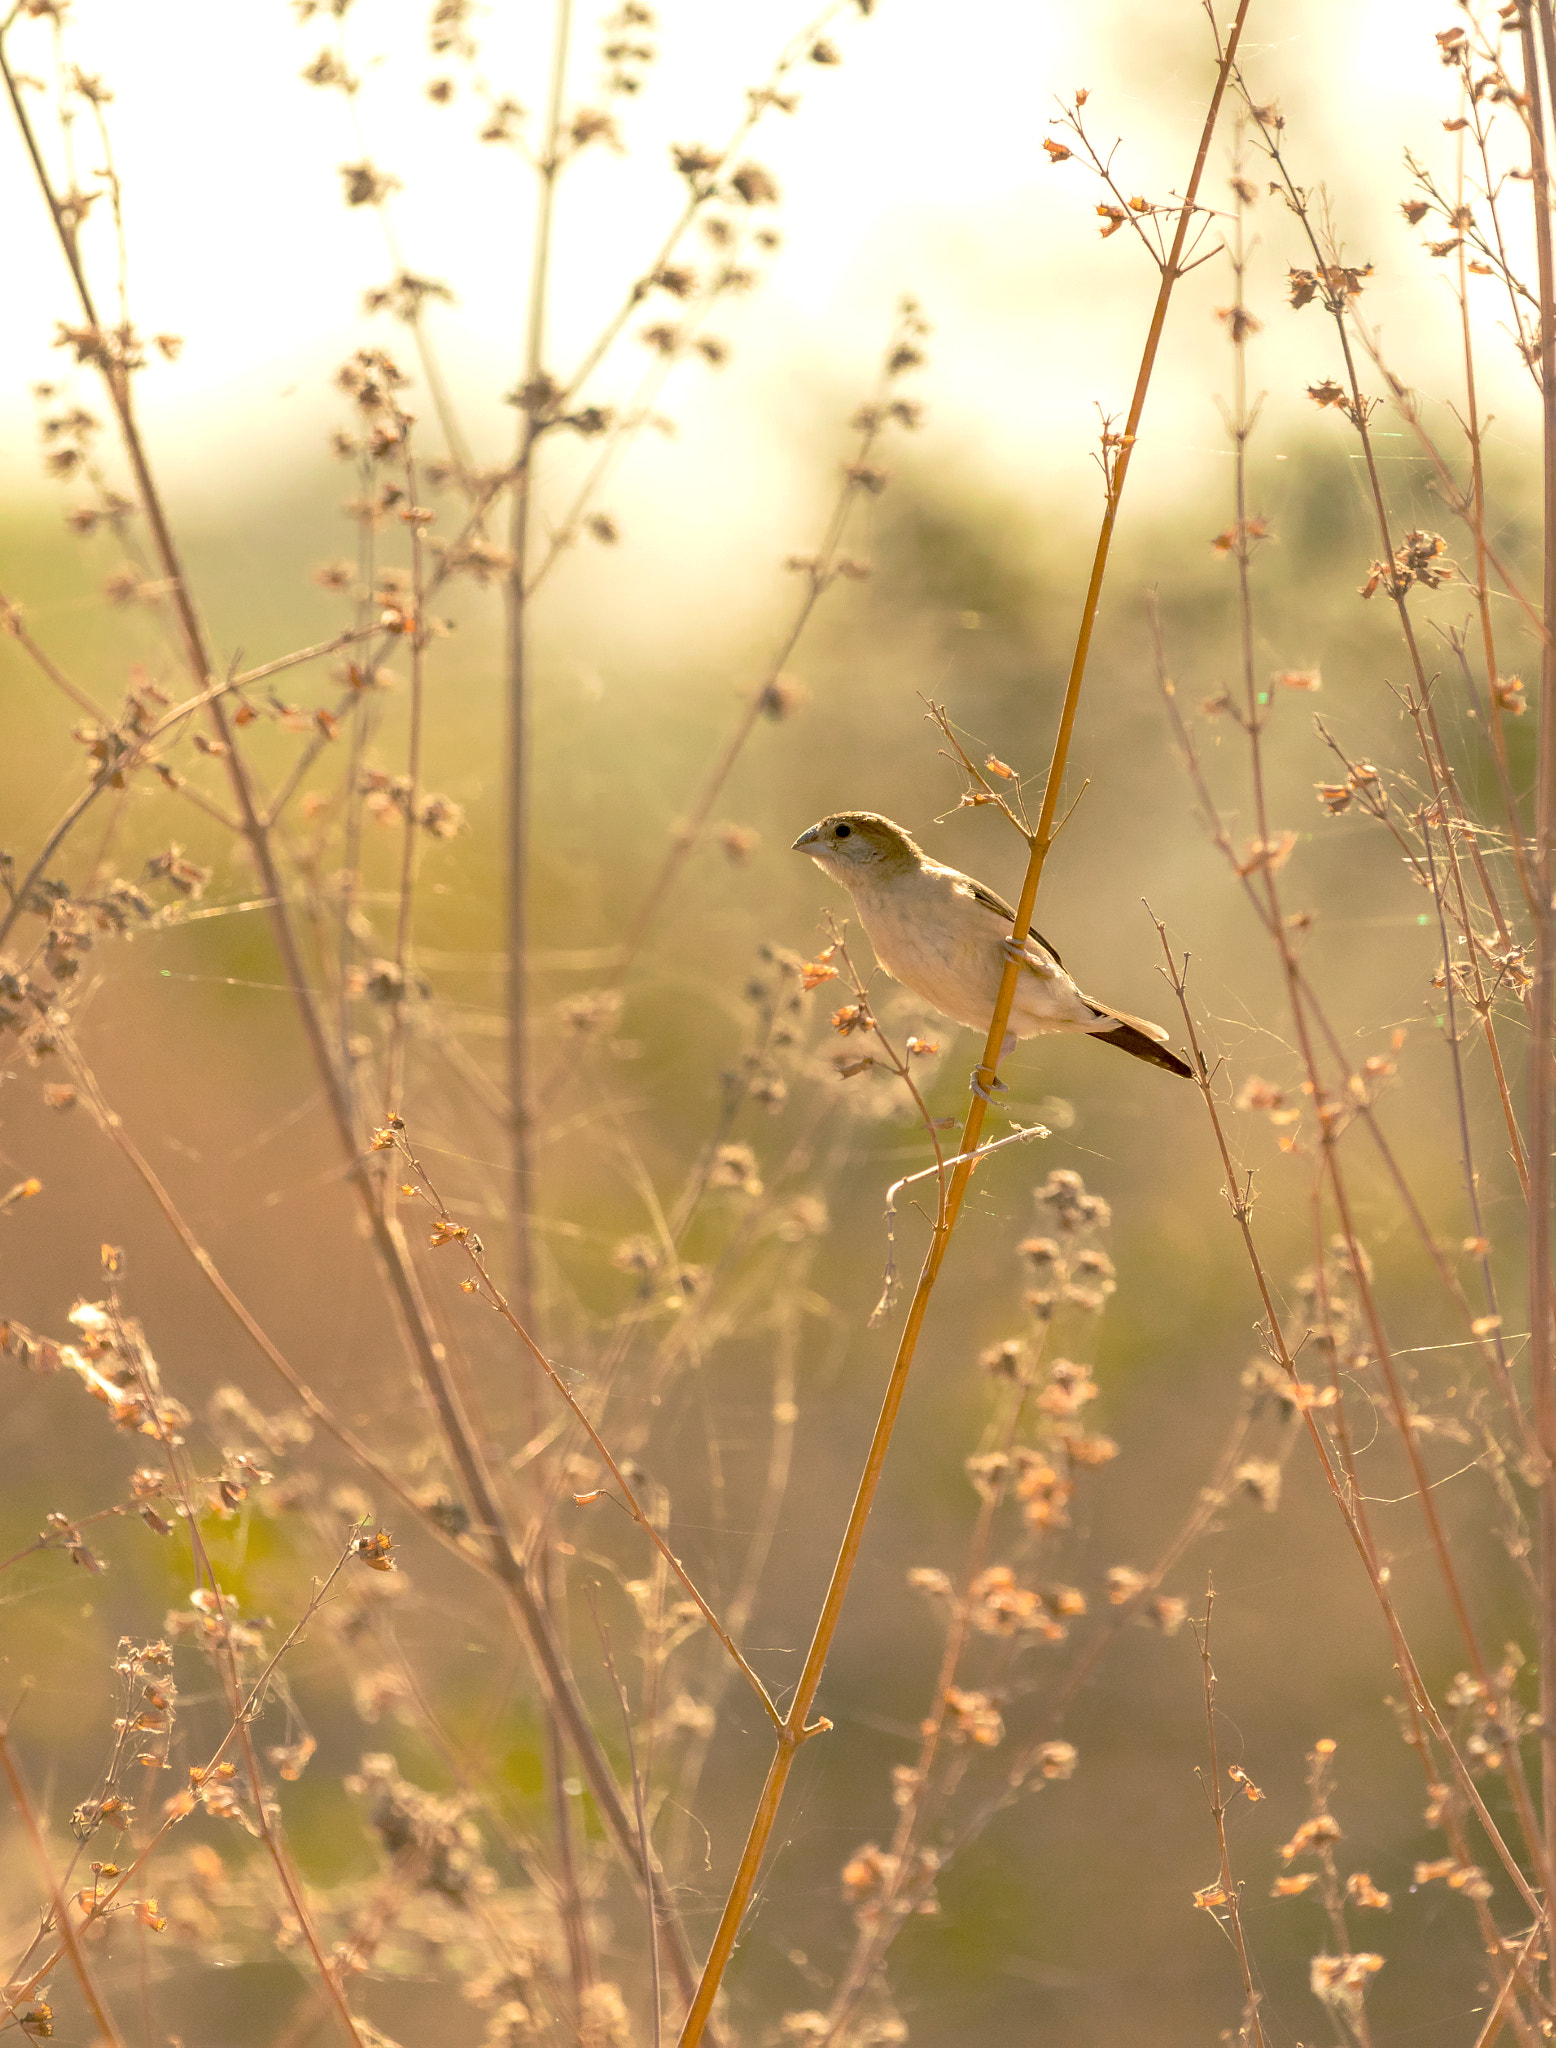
column 996, row 1087
column 1025, row 954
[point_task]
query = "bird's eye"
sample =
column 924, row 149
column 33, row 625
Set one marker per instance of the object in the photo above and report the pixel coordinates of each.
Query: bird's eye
column 842, row 831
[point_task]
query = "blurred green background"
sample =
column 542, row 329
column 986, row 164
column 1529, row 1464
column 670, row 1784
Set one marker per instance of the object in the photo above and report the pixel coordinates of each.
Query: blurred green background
column 1070, row 1919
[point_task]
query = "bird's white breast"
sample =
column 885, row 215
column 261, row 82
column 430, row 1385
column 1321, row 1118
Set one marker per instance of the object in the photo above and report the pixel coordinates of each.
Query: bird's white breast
column 932, row 934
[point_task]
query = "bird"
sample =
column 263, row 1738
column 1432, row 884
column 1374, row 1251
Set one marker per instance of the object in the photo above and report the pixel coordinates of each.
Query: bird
column 947, row 937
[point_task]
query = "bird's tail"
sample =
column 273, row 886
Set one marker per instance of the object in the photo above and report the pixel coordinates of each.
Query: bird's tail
column 1144, row 1041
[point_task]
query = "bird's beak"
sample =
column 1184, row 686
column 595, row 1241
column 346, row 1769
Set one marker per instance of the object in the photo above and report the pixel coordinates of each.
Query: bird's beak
column 807, row 840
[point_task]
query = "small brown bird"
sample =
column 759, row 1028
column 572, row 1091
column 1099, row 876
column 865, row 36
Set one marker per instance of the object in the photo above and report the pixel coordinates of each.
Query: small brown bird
column 947, row 938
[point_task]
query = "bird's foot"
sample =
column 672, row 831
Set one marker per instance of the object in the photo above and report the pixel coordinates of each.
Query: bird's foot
column 1025, row 954
column 996, row 1087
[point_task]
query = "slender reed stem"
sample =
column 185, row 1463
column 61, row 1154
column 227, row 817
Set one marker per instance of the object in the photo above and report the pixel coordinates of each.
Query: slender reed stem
column 1542, row 995
column 518, row 653
column 1230, row 1902
column 798, row 1728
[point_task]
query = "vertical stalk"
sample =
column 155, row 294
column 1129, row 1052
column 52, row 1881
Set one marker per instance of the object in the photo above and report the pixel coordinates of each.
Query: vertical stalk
column 534, row 406
column 798, row 1727
column 1542, row 1394
column 517, row 652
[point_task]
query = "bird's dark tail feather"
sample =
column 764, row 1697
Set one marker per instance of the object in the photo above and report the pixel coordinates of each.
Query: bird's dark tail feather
column 1131, row 1039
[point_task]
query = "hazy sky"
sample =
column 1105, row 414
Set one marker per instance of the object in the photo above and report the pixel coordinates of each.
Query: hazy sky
column 916, row 165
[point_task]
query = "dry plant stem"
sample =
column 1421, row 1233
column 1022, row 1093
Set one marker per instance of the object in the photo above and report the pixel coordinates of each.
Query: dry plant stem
column 266, row 1819
column 918, row 1811
column 1233, row 1923
column 351, row 638
column 506, row 1566
column 56, row 1541
column 1327, row 1111
column 1343, row 1487
column 655, row 1997
column 109, row 1121
column 1210, row 1500
column 798, row 1727
column 493, row 1295
column 1342, row 315
column 11, row 627
column 394, row 1063
column 249, row 1709
column 1456, row 1061
column 521, row 1133
column 415, row 1316
column 780, row 1458
column 111, row 774
column 1492, row 1350
column 516, row 652
column 70, row 1940
column 568, row 1894
column 1504, row 2006
column 1542, row 994
column 1275, row 925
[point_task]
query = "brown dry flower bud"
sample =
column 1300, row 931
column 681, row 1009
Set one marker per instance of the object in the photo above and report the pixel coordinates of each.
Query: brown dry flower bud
column 755, row 185
column 1240, row 323
column 928, row 1579
column 642, row 1255
column 1261, row 1479
column 867, row 1870
column 594, row 124
column 693, row 161
column 1003, row 1360
column 366, row 186
column 590, row 1013
column 327, row 70
column 734, row 1166
column 781, row 696
column 973, row 1717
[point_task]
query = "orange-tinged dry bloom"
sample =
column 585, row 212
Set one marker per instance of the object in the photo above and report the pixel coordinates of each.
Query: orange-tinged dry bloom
column 1361, row 1891
column 972, row 1717
column 1123, row 1583
column 1322, row 1828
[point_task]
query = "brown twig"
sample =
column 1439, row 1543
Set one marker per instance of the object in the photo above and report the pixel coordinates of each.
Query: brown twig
column 1223, row 1901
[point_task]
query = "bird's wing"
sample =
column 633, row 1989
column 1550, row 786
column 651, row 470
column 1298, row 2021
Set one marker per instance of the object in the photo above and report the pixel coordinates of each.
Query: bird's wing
column 991, row 901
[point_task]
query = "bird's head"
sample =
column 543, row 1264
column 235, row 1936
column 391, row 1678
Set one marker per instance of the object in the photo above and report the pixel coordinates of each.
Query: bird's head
column 859, row 846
